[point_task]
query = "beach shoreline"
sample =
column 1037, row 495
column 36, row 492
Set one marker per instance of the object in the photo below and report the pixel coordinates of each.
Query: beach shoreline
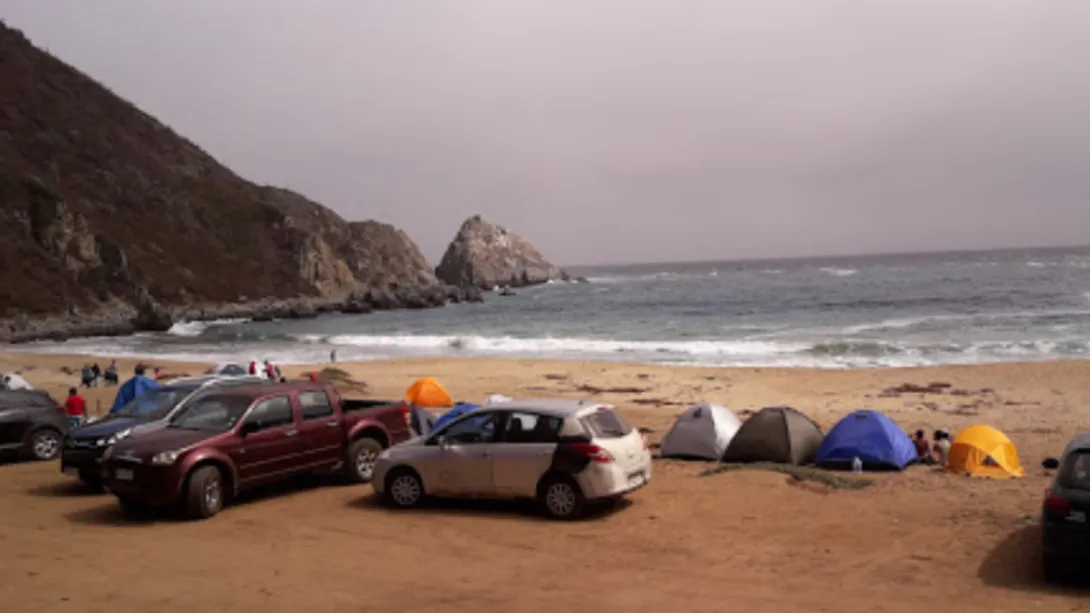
column 1044, row 399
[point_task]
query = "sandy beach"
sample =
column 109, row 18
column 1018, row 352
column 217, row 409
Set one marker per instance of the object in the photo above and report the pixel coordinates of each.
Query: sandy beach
column 735, row 541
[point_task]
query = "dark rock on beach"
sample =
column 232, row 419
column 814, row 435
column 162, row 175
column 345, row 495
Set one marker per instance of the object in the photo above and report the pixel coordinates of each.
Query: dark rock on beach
column 111, row 223
column 484, row 255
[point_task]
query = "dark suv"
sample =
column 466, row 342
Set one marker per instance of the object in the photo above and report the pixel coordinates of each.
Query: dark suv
column 32, row 424
column 1064, row 514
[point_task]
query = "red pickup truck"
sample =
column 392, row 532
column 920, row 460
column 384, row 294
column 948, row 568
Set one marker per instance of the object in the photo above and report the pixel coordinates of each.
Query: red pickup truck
column 232, row 439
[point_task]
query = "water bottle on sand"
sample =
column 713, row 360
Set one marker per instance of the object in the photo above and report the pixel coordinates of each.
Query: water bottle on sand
column 857, row 465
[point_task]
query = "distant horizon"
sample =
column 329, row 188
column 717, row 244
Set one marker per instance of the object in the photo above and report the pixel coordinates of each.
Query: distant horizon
column 827, row 257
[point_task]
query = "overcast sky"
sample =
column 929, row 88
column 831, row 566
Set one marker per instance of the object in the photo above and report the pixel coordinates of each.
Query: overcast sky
column 627, row 130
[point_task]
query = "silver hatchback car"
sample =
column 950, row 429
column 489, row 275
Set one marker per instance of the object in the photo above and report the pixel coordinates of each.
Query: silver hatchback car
column 563, row 453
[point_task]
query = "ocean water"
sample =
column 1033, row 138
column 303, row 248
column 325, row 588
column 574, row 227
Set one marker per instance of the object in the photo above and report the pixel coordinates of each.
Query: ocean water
column 950, row 308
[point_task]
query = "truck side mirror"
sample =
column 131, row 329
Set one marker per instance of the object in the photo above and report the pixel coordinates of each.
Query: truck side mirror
column 248, row 428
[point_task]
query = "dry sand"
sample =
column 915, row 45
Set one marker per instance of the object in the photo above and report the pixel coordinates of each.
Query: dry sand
column 738, row 541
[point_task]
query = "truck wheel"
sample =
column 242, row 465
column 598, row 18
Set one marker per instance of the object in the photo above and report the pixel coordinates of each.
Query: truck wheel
column 204, row 493
column 360, row 463
column 43, row 445
column 404, row 489
column 561, row 497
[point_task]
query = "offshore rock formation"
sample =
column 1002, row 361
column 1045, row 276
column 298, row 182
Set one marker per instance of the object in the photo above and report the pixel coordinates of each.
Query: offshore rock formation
column 484, row 255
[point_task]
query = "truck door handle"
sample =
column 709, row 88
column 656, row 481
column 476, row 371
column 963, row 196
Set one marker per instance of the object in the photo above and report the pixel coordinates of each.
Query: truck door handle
column 291, row 433
column 332, row 424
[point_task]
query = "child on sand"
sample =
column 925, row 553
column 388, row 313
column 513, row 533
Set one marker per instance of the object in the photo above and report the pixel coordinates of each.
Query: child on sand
column 75, row 406
column 941, row 446
column 923, row 448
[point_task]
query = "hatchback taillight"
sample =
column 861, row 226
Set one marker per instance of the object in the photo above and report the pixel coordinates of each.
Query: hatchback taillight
column 1055, row 504
column 593, row 452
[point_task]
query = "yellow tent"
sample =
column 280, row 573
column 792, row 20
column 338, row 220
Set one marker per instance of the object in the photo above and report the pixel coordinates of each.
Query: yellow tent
column 428, row 392
column 983, row 451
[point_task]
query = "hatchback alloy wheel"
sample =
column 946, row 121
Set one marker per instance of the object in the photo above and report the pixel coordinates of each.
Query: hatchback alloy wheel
column 560, row 499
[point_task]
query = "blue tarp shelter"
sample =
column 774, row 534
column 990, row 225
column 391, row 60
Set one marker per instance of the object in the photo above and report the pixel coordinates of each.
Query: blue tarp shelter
column 870, row 436
column 132, row 388
column 459, row 409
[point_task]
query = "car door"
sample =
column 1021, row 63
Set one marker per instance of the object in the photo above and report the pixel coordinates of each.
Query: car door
column 461, row 463
column 269, row 444
column 524, row 453
column 320, row 429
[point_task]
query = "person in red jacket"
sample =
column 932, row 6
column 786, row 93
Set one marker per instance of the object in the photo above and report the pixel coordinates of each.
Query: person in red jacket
column 75, row 406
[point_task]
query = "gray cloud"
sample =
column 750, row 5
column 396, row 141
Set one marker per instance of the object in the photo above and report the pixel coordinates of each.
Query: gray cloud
column 620, row 130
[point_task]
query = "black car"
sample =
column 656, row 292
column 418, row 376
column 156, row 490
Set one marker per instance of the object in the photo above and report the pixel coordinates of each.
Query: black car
column 32, row 424
column 1064, row 516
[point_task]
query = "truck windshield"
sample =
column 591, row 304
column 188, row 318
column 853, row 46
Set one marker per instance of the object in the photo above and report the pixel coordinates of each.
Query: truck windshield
column 213, row 413
column 154, row 404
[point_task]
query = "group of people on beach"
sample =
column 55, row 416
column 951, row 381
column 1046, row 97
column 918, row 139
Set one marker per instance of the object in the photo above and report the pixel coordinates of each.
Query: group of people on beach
column 92, row 374
column 932, row 452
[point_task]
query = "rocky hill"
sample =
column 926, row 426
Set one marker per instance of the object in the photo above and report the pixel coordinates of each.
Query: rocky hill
column 111, row 222
column 484, row 255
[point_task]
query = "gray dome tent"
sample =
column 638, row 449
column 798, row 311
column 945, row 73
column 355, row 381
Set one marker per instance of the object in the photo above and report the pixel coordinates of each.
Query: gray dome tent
column 702, row 432
column 776, row 434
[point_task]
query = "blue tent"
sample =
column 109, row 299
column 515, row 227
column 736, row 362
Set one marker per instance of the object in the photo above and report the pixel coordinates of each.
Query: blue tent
column 459, row 409
column 870, row 436
column 131, row 389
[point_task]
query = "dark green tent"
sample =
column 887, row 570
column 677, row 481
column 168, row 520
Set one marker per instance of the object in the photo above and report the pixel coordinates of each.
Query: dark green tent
column 775, row 434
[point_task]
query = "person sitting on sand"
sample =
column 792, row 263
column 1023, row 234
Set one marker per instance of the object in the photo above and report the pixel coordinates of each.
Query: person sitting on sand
column 110, row 376
column 87, row 376
column 75, row 406
column 941, row 446
column 923, row 448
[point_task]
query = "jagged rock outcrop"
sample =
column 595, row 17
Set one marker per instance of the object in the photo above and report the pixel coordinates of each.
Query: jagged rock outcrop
column 110, row 222
column 484, row 255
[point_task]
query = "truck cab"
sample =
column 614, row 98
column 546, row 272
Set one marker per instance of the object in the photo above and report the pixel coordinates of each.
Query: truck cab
column 233, row 439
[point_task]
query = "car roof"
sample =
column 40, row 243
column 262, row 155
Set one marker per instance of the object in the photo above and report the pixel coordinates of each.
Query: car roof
column 1081, row 441
column 256, row 390
column 555, row 407
column 202, row 380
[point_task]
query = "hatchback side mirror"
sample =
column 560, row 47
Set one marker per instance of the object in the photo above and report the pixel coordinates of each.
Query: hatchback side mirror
column 1050, row 464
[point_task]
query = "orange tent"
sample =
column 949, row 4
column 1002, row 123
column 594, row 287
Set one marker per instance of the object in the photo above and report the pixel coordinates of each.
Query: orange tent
column 983, row 451
column 428, row 392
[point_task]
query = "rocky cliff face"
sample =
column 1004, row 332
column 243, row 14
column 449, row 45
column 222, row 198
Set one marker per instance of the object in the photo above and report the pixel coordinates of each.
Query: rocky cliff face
column 111, row 222
column 484, row 255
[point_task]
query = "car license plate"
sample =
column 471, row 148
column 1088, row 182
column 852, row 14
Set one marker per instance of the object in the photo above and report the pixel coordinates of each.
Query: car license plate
column 123, row 474
column 1077, row 516
column 71, row 471
column 635, row 479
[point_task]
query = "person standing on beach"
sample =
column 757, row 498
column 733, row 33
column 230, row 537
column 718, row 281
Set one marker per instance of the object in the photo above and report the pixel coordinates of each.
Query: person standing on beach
column 75, row 406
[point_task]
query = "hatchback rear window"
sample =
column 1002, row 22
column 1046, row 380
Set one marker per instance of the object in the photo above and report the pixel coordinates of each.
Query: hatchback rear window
column 606, row 423
column 1075, row 474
